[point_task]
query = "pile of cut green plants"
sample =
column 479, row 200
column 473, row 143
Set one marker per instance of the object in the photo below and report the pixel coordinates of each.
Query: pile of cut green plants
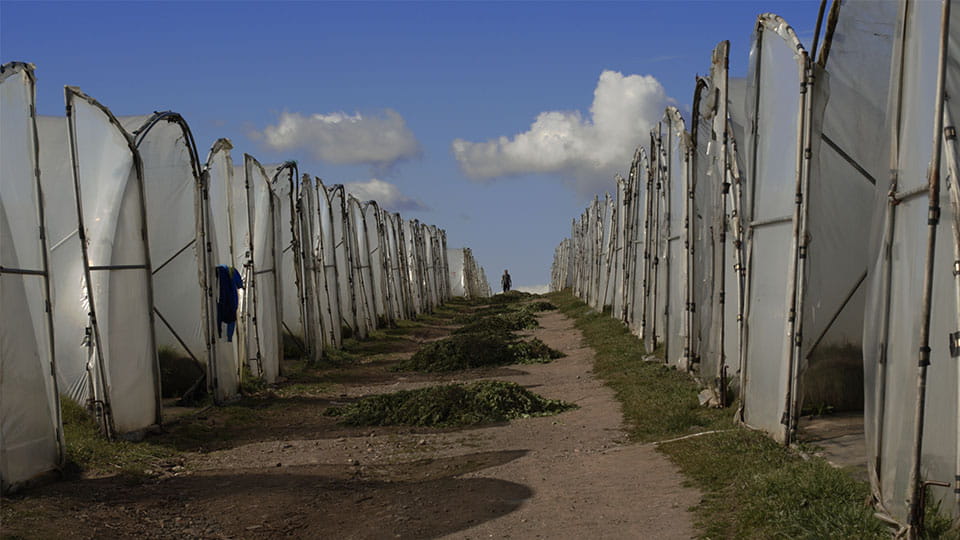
column 486, row 339
column 448, row 405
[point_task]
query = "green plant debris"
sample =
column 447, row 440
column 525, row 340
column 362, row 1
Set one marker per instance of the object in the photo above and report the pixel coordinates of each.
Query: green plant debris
column 534, row 351
column 449, row 405
column 468, row 351
column 87, row 451
column 499, row 323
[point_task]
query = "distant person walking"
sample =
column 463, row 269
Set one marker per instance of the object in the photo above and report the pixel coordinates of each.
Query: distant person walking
column 505, row 281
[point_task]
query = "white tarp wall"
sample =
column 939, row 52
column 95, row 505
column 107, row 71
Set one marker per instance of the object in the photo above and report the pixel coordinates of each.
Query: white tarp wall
column 363, row 281
column 674, row 266
column 226, row 218
column 465, row 275
column 108, row 181
column 72, row 340
column 633, row 242
column 328, row 283
column 458, row 283
column 658, row 227
column 174, row 227
column 312, row 274
column 849, row 149
column 895, row 320
column 705, row 236
column 265, row 307
column 775, row 104
column 31, row 434
column 284, row 179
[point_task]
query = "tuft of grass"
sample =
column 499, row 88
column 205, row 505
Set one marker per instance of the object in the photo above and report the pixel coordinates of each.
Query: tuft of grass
column 449, row 405
column 87, row 451
column 756, row 488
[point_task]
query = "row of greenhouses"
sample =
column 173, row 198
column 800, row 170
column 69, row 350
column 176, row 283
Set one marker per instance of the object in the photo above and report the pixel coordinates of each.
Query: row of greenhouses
column 467, row 278
column 795, row 240
column 119, row 242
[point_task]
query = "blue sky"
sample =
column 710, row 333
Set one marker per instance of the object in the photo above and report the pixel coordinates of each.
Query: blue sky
column 541, row 98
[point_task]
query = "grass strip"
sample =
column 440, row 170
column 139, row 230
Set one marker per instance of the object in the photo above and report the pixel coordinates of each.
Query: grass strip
column 89, row 451
column 449, row 405
column 658, row 402
column 753, row 487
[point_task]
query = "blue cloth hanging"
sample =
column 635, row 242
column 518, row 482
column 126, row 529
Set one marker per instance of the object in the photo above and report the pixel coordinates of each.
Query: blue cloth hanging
column 229, row 282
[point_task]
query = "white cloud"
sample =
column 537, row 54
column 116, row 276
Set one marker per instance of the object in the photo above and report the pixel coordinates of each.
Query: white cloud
column 338, row 138
column 586, row 150
column 387, row 195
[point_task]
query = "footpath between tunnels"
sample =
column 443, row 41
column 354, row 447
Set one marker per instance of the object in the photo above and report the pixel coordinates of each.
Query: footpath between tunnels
column 275, row 465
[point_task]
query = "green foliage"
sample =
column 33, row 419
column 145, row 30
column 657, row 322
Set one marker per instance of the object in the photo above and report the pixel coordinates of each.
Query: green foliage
column 178, row 372
column 756, row 488
column 449, row 405
column 89, row 451
column 249, row 384
column 499, row 323
column 461, row 351
column 534, row 352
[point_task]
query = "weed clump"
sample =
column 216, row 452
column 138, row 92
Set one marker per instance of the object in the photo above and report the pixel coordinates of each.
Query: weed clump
column 449, row 405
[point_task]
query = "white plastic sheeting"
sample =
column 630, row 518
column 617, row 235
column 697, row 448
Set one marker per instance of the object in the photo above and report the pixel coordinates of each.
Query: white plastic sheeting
column 466, row 278
column 227, row 247
column 31, row 434
column 108, row 181
column 134, row 233
column 776, row 107
column 262, row 285
column 184, row 307
column 900, row 260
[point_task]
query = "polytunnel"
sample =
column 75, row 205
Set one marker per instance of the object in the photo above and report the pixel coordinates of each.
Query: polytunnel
column 396, row 280
column 343, row 242
column 31, row 432
column 658, row 231
column 633, row 242
column 673, row 264
column 314, row 296
column 178, row 234
column 777, row 105
column 911, row 339
column 848, row 143
column 327, row 255
column 712, row 280
column 285, row 180
column 227, row 219
column 124, row 379
column 265, row 307
column 363, row 282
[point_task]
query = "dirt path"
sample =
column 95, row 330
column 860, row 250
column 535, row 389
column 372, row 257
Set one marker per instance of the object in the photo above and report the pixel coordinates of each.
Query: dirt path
column 566, row 476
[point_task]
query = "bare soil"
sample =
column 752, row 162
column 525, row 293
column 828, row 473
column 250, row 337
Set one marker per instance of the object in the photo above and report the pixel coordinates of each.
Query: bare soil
column 301, row 475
